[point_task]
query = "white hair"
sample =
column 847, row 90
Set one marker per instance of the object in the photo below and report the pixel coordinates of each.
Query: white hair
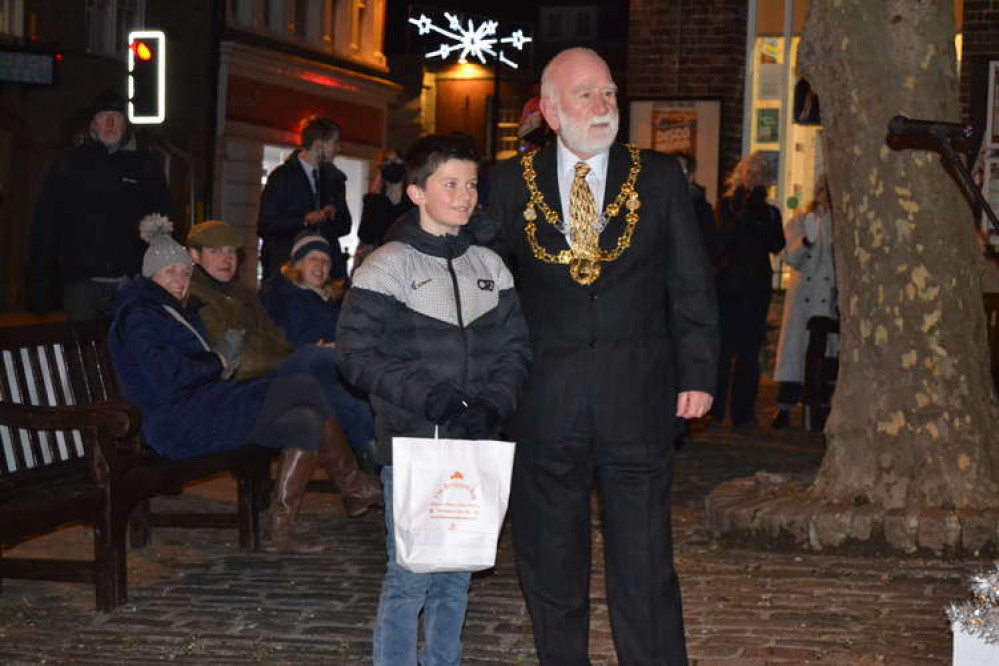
column 548, row 73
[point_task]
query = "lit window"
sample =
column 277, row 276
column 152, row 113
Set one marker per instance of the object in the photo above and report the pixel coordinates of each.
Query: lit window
column 12, row 19
column 110, row 21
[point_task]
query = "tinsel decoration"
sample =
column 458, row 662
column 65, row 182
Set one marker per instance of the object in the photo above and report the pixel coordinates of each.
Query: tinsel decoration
column 979, row 616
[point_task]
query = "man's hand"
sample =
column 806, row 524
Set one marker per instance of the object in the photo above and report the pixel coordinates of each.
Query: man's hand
column 693, row 404
column 328, row 211
column 314, row 218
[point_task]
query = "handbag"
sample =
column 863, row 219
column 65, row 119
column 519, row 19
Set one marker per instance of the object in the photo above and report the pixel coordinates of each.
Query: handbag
column 449, row 500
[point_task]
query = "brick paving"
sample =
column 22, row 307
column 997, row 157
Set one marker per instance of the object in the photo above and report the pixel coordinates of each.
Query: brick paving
column 195, row 599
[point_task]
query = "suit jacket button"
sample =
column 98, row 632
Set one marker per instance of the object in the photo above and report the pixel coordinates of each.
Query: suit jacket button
column 593, row 344
column 593, row 296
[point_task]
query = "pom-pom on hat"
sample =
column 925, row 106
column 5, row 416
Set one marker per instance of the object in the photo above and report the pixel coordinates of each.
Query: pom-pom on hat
column 306, row 242
column 213, row 233
column 163, row 250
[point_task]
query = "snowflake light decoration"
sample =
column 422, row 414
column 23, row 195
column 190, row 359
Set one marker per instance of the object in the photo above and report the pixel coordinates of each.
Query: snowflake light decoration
column 471, row 40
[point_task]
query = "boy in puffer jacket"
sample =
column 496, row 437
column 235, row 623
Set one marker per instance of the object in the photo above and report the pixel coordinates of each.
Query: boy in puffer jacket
column 432, row 330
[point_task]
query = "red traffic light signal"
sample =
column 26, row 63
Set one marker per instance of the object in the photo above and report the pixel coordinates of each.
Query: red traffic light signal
column 141, row 50
column 146, row 77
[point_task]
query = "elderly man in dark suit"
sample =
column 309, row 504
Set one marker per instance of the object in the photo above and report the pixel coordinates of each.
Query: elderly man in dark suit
column 621, row 310
column 306, row 192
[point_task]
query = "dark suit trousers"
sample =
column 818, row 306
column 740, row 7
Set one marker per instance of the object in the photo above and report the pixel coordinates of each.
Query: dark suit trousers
column 550, row 501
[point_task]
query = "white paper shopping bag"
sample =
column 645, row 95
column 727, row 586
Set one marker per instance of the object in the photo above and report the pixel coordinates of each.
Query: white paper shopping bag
column 449, row 500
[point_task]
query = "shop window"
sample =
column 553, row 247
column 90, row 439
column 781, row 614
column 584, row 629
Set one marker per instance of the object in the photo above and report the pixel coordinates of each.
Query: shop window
column 358, row 16
column 300, row 27
column 241, row 11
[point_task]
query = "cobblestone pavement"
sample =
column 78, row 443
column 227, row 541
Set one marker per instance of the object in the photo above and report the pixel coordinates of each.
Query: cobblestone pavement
column 195, row 598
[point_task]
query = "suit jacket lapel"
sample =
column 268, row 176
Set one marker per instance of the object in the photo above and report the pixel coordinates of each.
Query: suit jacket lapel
column 546, row 166
column 618, row 165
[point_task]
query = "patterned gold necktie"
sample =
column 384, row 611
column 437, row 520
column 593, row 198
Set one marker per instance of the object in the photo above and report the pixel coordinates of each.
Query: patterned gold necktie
column 583, row 236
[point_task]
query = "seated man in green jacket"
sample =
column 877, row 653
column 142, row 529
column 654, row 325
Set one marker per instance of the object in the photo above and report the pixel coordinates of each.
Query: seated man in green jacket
column 228, row 305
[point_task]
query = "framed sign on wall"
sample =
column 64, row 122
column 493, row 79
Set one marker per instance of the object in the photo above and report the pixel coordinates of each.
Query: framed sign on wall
column 684, row 126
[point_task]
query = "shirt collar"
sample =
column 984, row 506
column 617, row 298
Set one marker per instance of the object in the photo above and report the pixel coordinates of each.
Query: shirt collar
column 308, row 167
column 567, row 161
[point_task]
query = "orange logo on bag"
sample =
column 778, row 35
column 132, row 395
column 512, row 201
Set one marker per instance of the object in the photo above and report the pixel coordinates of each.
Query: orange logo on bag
column 457, row 475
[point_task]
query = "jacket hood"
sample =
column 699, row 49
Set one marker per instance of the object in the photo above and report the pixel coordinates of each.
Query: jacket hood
column 437, row 246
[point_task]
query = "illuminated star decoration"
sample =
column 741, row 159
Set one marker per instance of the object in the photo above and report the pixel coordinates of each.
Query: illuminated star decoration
column 473, row 41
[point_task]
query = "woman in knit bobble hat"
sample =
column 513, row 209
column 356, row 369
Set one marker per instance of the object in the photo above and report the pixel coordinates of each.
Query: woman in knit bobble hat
column 165, row 365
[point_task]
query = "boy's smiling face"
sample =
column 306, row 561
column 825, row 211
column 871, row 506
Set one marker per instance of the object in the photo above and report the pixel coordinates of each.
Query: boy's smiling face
column 448, row 198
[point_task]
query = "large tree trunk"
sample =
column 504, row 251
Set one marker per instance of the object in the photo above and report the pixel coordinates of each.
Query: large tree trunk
column 914, row 417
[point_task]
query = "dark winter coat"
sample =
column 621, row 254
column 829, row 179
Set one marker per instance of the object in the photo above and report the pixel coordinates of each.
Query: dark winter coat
column 424, row 310
column 377, row 215
column 287, row 197
column 303, row 315
column 750, row 230
column 162, row 367
column 87, row 218
column 615, row 352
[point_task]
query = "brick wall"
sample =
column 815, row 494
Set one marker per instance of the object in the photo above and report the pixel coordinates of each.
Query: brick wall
column 981, row 44
column 683, row 49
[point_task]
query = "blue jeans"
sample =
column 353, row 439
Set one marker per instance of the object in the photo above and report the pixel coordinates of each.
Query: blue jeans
column 443, row 598
column 353, row 414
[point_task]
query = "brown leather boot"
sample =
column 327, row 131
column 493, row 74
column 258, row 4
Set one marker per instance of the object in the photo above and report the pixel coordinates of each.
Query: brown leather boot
column 359, row 491
column 293, row 475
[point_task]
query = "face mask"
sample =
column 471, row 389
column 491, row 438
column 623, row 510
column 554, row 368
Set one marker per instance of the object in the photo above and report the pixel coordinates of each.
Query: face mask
column 393, row 172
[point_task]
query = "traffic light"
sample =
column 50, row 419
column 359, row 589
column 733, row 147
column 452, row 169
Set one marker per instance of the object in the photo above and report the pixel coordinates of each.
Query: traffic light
column 146, row 77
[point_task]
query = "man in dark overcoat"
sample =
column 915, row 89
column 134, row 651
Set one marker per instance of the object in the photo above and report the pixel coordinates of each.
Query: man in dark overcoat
column 306, row 192
column 624, row 335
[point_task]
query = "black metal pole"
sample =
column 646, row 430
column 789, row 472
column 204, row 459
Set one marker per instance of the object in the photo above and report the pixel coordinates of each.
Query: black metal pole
column 951, row 156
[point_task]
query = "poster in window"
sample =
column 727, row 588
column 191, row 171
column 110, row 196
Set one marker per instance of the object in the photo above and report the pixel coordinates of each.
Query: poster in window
column 767, row 125
column 689, row 126
column 772, row 158
column 992, row 112
column 990, row 188
column 674, row 128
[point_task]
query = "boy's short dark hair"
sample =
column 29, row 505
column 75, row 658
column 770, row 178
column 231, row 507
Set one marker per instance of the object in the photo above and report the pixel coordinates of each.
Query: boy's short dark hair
column 319, row 129
column 430, row 152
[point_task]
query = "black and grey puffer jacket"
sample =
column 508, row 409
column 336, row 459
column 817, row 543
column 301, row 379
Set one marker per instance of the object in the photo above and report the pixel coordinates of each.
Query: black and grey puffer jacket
column 426, row 309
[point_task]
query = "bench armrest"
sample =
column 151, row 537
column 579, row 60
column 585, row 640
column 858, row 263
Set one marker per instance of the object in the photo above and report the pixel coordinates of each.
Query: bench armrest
column 116, row 418
column 116, row 422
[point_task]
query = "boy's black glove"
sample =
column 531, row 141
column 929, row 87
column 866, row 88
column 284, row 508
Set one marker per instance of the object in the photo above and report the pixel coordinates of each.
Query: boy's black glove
column 479, row 421
column 443, row 402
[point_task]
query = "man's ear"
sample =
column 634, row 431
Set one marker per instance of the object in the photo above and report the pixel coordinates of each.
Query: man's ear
column 195, row 255
column 549, row 110
column 416, row 193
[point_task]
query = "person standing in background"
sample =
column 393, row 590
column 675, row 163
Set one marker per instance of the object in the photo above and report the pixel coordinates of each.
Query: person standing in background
column 749, row 231
column 307, row 191
column 811, row 292
column 87, row 217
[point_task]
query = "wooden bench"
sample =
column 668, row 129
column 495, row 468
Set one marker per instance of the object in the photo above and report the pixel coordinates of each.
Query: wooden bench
column 70, row 452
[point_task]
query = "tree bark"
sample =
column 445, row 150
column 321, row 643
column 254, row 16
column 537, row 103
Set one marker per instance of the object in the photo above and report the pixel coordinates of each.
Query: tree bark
column 914, row 418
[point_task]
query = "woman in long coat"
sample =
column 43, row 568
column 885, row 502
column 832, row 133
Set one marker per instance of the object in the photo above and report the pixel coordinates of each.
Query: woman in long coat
column 749, row 231
column 811, row 292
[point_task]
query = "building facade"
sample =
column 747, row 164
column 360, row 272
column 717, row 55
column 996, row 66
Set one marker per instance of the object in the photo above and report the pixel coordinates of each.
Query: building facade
column 242, row 77
column 281, row 63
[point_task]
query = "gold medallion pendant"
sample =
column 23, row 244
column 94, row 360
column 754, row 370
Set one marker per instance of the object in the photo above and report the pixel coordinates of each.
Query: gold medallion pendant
column 583, row 269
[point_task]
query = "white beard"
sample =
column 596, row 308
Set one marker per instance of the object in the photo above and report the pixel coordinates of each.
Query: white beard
column 576, row 138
